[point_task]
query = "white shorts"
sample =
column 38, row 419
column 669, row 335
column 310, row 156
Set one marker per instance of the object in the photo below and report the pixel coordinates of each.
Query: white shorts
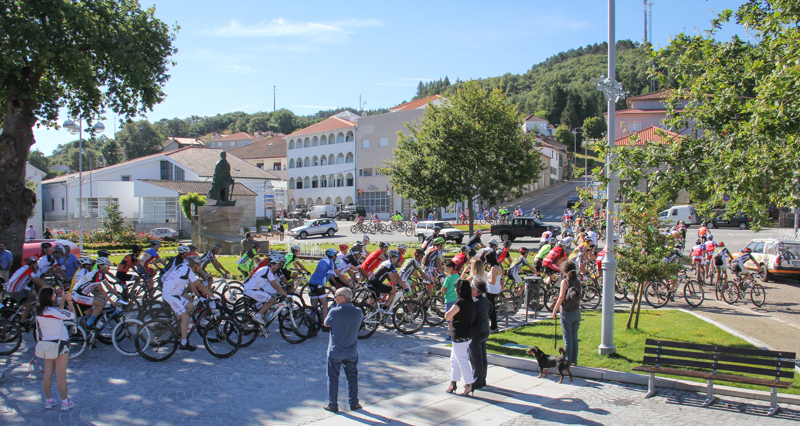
column 177, row 303
column 258, row 296
column 83, row 300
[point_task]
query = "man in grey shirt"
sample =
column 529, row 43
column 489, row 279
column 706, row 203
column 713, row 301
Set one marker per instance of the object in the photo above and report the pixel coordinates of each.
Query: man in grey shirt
column 344, row 321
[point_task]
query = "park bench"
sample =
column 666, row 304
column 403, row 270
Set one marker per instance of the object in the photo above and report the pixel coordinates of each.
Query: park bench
column 714, row 363
column 507, row 306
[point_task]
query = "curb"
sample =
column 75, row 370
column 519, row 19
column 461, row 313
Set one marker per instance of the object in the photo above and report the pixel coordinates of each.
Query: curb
column 618, row 376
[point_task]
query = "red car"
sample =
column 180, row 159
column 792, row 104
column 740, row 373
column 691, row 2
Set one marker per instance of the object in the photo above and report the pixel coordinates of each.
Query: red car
column 33, row 247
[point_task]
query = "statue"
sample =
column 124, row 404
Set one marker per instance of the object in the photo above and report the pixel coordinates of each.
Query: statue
column 222, row 184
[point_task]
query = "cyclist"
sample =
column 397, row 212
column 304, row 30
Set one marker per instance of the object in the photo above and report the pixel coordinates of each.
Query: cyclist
column 430, row 238
column 387, row 270
column 516, row 267
column 413, row 267
column 432, row 260
column 151, row 256
column 461, row 259
column 738, row 266
column 211, row 258
column 249, row 259
column 543, row 251
column 88, row 290
column 475, row 242
column 127, row 263
column 263, row 286
column 721, row 261
column 699, row 256
column 293, row 260
column 18, row 287
column 326, row 269
column 174, row 286
column 376, row 257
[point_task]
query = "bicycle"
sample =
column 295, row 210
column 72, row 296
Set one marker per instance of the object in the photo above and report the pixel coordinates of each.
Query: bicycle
column 158, row 338
column 294, row 323
column 734, row 290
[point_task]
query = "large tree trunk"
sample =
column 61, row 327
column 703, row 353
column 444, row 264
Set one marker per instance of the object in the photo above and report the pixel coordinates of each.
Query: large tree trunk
column 16, row 201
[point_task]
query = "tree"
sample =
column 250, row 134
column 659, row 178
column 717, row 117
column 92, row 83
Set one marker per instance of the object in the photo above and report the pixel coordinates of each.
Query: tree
column 563, row 135
column 572, row 115
column 112, row 152
column 190, row 199
column 742, row 120
column 140, row 138
column 83, row 57
column 594, row 127
column 470, row 146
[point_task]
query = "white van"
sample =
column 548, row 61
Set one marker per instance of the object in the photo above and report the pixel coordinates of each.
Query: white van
column 317, row 212
column 672, row 215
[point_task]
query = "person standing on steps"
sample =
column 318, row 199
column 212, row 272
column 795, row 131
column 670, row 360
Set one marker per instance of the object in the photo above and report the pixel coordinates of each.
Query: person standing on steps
column 344, row 321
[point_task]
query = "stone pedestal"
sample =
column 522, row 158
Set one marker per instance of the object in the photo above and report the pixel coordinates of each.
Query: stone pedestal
column 218, row 224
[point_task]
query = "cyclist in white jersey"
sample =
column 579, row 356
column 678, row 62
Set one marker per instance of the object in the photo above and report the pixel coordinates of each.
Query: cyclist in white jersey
column 263, row 286
column 174, row 286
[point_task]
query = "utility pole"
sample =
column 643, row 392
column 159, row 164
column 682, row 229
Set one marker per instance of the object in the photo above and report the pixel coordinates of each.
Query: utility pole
column 273, row 98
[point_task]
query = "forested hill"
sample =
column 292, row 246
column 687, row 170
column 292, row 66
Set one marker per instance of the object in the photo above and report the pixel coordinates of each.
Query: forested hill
column 563, row 80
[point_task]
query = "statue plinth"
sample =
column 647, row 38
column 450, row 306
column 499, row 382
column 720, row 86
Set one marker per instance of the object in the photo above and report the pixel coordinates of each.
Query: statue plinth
column 217, row 224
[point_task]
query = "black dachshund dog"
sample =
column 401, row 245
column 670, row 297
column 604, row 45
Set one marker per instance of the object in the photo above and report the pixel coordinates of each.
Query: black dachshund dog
column 549, row 361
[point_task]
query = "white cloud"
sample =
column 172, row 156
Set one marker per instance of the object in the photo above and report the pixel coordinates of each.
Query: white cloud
column 280, row 27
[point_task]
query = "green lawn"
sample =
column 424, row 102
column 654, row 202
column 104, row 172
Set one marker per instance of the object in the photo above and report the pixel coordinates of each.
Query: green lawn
column 662, row 324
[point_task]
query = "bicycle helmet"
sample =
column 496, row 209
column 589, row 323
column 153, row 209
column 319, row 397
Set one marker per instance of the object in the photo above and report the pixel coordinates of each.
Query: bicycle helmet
column 493, row 243
column 193, row 260
column 438, row 241
column 552, row 240
column 58, row 249
column 84, row 261
column 295, row 248
column 100, row 253
column 464, row 247
column 137, row 248
column 155, row 243
column 103, row 261
column 183, row 249
column 402, row 246
column 394, row 254
column 330, row 252
column 383, row 244
column 31, row 260
column 523, row 250
column 216, row 246
column 710, row 238
column 45, row 245
column 344, row 247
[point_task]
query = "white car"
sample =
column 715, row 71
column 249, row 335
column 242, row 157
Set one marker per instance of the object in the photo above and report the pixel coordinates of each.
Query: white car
column 315, row 227
column 166, row 234
column 448, row 232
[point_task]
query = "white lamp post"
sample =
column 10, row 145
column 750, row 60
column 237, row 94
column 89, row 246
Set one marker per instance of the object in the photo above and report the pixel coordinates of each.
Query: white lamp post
column 77, row 128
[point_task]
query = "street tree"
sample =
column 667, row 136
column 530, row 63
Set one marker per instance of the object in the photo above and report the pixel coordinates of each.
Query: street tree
column 470, row 147
column 741, row 126
column 83, row 57
column 140, row 138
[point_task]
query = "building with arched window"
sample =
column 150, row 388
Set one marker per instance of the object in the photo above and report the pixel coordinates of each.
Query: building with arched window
column 323, row 171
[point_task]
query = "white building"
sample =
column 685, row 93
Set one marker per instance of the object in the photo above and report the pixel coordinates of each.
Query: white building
column 140, row 203
column 34, row 175
column 322, row 163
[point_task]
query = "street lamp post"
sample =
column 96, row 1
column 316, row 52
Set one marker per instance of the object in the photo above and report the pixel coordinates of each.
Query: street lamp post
column 77, row 128
column 613, row 92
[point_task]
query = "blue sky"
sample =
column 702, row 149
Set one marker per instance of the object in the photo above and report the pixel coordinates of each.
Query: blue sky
column 324, row 55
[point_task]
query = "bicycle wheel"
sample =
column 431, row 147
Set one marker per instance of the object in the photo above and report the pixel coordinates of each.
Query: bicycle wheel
column 370, row 322
column 693, row 293
column 758, row 295
column 408, row 317
column 124, row 335
column 223, row 337
column 294, row 326
column 656, row 293
column 157, row 340
column 551, row 297
column 730, row 293
column 10, row 337
column 591, row 297
column 434, row 314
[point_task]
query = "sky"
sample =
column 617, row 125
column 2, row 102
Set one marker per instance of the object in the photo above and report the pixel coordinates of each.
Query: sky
column 322, row 55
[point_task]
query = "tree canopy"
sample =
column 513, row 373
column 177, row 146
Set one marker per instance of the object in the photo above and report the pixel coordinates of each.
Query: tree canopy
column 471, row 146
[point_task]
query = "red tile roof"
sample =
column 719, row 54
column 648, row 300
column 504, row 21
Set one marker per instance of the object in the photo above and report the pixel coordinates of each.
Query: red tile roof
column 646, row 136
column 240, row 136
column 332, row 123
column 419, row 103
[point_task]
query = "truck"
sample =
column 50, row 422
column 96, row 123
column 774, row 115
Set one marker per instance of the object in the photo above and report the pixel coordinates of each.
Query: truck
column 522, row 227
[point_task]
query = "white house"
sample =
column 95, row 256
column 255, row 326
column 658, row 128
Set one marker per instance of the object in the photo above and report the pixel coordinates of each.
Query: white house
column 322, row 162
column 141, row 205
column 34, row 175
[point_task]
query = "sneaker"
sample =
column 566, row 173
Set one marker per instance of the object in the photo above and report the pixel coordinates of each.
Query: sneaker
column 259, row 319
column 50, row 404
column 68, row 406
column 187, row 347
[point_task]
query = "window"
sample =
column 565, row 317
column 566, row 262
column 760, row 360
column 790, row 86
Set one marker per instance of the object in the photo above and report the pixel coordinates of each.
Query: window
column 375, row 201
column 166, row 170
column 365, row 144
column 179, row 173
column 126, row 178
column 260, row 165
column 383, row 142
column 365, row 172
column 276, row 166
column 159, row 209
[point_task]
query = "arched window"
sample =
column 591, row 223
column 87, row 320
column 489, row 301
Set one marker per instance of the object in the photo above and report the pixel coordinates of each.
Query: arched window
column 307, row 162
column 349, row 158
column 323, row 140
column 323, row 161
column 315, row 141
column 315, row 161
column 291, row 163
column 291, row 144
column 306, row 143
column 340, row 159
column 350, row 137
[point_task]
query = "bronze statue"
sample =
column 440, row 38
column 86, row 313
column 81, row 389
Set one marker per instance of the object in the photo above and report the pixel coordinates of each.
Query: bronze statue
column 222, row 184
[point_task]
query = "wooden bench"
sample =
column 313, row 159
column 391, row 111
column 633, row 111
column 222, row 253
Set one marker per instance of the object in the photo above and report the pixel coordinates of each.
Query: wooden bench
column 712, row 362
column 507, row 306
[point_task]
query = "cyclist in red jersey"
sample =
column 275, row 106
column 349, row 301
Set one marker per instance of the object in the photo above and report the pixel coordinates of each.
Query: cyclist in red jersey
column 375, row 258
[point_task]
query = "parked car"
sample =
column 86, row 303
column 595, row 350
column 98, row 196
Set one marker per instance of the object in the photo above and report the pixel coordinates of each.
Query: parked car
column 350, row 213
column 740, row 221
column 571, row 201
column 299, row 211
column 775, row 257
column 315, row 227
column 166, row 234
column 32, row 247
column 672, row 215
column 448, row 232
column 522, row 227
column 317, row 212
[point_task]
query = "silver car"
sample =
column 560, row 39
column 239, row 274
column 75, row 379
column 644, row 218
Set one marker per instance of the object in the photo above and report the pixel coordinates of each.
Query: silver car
column 166, row 234
column 315, row 227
